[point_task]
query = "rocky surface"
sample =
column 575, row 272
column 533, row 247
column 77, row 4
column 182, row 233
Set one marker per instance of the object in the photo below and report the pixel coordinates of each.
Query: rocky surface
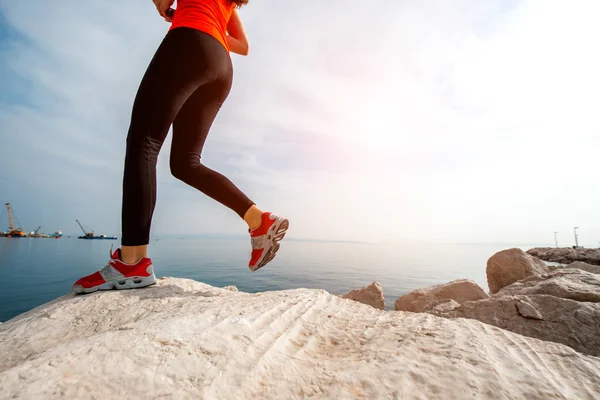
column 444, row 305
column 184, row 339
column 594, row 269
column 561, row 306
column 566, row 255
column 571, row 284
column 509, row 266
column 526, row 310
column 371, row 295
column 573, row 323
column 460, row 290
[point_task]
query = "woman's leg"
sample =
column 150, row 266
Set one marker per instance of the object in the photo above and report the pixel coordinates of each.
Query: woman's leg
column 178, row 68
column 190, row 130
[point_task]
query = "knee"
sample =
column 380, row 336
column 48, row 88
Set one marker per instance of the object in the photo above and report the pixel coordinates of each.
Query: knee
column 139, row 139
column 182, row 167
column 178, row 169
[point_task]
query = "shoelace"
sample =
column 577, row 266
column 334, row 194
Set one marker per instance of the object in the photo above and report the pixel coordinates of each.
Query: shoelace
column 109, row 264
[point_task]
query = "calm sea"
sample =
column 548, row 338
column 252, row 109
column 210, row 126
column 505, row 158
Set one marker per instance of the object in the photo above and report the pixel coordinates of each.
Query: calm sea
column 35, row 271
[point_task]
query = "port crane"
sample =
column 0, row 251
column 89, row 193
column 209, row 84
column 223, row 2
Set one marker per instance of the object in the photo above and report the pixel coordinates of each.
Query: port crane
column 18, row 232
column 89, row 234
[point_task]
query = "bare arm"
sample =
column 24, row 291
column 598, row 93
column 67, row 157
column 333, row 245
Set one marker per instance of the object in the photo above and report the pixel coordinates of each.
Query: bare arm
column 163, row 6
column 236, row 38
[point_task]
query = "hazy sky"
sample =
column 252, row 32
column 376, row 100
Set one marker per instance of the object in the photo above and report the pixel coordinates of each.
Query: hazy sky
column 458, row 121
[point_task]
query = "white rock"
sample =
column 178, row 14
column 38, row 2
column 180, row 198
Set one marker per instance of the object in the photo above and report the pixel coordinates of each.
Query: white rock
column 185, row 340
column 231, row 288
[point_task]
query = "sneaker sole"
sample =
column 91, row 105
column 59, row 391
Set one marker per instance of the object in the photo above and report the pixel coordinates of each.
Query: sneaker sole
column 134, row 282
column 275, row 234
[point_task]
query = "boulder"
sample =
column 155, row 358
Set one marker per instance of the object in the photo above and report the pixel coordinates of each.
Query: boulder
column 566, row 255
column 571, row 284
column 460, row 290
column 441, row 306
column 231, row 288
column 540, row 316
column 508, row 266
column 371, row 295
column 594, row 269
column 182, row 339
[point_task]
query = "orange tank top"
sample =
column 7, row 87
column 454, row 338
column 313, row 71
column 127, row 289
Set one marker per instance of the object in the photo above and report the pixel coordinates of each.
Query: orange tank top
column 209, row 16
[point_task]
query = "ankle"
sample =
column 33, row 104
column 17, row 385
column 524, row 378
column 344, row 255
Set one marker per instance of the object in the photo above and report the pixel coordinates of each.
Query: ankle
column 133, row 254
column 253, row 217
column 131, row 260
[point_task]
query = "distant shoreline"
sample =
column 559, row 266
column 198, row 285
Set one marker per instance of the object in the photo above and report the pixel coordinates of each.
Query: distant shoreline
column 236, row 237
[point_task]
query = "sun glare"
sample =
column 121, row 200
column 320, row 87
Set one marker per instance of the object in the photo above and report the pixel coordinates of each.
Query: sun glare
column 378, row 127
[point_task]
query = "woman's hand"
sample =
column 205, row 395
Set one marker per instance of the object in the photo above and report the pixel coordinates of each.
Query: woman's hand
column 162, row 6
column 236, row 38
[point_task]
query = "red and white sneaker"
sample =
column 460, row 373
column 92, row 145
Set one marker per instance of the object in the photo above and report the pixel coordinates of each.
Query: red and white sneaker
column 265, row 239
column 118, row 275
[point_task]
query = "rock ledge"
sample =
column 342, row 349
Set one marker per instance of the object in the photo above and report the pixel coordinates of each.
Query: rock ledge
column 185, row 339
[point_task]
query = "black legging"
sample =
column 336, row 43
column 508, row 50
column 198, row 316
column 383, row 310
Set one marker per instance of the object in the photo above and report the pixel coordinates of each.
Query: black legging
column 185, row 84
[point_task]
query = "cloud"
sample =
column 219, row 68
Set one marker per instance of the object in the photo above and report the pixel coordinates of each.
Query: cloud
column 460, row 121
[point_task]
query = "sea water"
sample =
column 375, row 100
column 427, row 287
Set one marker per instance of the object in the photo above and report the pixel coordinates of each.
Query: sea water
column 35, row 271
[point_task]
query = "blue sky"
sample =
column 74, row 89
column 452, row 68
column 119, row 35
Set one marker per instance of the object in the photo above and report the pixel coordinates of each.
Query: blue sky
column 460, row 121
